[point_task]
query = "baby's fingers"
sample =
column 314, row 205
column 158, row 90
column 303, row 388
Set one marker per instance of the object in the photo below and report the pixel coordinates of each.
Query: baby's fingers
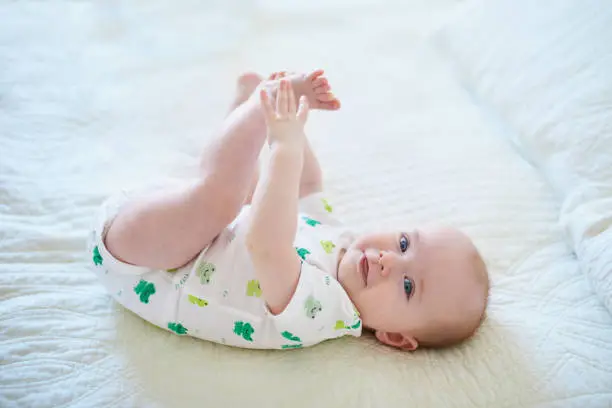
column 291, row 101
column 267, row 106
column 282, row 99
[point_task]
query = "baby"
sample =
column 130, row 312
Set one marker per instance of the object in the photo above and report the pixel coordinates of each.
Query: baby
column 263, row 263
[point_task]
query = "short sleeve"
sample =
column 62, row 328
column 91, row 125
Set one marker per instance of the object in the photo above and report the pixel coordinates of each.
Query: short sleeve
column 319, row 208
column 319, row 310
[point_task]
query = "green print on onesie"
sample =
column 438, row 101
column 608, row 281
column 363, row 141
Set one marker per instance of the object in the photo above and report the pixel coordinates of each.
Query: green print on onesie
column 328, row 246
column 244, row 330
column 97, row 258
column 340, row 325
column 326, row 205
column 291, row 346
column 205, row 271
column 177, row 328
column 253, row 288
column 302, row 252
column 290, row 337
column 310, row 221
column 197, row 301
column 312, row 307
column 145, row 290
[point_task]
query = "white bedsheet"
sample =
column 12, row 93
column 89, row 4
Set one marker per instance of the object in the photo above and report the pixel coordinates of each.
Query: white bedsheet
column 552, row 82
column 96, row 96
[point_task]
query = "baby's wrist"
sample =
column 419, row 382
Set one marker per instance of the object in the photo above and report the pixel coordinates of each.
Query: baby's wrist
column 290, row 143
column 287, row 147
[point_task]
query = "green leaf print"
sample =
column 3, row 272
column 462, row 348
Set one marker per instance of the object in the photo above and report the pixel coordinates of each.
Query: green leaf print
column 290, row 336
column 253, row 288
column 302, row 252
column 310, row 221
column 340, row 325
column 312, row 307
column 97, row 258
column 326, row 205
column 177, row 328
column 244, row 330
column 205, row 271
column 145, row 290
column 328, row 246
column 197, row 301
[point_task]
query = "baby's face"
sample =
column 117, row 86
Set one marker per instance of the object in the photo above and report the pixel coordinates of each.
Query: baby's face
column 403, row 282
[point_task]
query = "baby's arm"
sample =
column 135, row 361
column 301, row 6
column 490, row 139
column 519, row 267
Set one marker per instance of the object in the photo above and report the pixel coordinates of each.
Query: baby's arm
column 312, row 177
column 275, row 203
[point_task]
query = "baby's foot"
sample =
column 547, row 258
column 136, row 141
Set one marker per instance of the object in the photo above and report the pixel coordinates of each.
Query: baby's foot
column 314, row 85
column 245, row 86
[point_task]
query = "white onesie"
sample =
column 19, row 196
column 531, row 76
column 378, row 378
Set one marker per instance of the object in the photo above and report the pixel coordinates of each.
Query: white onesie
column 217, row 297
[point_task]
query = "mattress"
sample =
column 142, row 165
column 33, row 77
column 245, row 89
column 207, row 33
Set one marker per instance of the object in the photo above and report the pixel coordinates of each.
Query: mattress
column 97, row 96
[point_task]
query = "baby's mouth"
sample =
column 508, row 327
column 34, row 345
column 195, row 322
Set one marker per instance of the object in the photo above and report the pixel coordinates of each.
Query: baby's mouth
column 364, row 268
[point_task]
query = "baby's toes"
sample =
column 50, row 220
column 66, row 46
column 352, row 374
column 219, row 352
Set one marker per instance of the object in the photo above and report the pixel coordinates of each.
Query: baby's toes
column 319, row 82
column 327, row 101
column 333, row 105
column 276, row 75
column 315, row 75
column 330, row 106
column 323, row 89
column 326, row 97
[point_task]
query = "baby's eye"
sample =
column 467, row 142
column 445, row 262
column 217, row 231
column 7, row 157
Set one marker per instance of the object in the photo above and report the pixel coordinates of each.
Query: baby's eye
column 408, row 287
column 404, row 243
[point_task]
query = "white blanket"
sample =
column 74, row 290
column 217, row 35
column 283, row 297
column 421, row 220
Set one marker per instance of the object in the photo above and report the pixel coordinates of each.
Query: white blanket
column 551, row 82
column 97, row 96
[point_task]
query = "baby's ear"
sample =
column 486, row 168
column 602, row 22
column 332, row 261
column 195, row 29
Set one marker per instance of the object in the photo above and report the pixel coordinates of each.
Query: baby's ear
column 399, row 340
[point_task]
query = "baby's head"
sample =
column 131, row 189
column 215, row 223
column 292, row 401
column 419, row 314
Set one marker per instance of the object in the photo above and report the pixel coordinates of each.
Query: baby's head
column 426, row 288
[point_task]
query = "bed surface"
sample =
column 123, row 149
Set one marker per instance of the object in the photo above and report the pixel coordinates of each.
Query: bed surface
column 96, row 96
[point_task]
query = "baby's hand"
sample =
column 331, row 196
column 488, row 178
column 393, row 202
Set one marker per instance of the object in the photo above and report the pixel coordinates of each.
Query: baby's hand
column 285, row 121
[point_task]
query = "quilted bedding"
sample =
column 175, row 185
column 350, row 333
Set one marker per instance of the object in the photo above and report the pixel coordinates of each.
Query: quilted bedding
column 96, row 96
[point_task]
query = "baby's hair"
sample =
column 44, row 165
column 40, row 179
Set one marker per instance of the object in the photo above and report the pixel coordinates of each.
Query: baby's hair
column 447, row 333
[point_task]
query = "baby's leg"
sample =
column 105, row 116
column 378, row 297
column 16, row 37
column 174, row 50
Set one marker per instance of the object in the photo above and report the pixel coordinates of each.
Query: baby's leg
column 168, row 229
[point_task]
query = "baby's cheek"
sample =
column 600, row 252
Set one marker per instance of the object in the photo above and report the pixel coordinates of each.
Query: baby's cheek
column 364, row 242
column 375, row 242
column 376, row 307
column 356, row 245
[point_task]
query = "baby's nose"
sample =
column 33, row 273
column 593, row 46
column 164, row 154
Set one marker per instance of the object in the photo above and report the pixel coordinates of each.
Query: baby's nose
column 388, row 261
column 374, row 257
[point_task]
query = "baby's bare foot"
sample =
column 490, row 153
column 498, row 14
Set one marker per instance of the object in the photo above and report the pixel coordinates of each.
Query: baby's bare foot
column 313, row 85
column 245, row 86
